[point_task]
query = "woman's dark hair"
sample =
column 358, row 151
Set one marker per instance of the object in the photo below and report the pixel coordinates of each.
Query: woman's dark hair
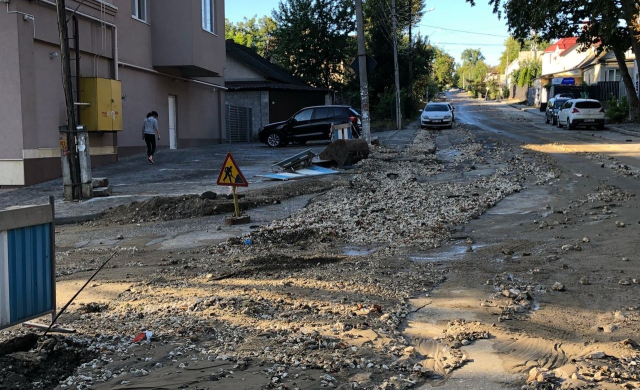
column 149, row 115
column 153, row 113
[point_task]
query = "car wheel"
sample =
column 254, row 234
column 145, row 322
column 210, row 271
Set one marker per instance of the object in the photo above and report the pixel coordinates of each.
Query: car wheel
column 570, row 126
column 546, row 119
column 275, row 139
column 554, row 121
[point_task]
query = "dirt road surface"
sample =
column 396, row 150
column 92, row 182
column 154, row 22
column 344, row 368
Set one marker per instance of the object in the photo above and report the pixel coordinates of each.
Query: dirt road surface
column 501, row 254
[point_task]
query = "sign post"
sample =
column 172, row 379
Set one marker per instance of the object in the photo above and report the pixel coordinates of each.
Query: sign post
column 231, row 176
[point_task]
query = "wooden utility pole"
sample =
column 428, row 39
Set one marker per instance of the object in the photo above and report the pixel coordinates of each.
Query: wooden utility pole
column 362, row 67
column 395, row 64
column 68, row 94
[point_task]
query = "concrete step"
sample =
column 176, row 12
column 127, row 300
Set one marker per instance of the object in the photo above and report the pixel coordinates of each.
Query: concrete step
column 102, row 191
column 100, row 182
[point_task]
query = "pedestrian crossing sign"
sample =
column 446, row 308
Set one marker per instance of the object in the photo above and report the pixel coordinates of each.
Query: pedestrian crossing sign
column 230, row 174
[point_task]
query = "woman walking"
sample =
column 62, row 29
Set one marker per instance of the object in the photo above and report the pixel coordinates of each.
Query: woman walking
column 149, row 133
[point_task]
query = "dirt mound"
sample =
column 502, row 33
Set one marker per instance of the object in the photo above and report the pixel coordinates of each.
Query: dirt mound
column 164, row 208
column 50, row 362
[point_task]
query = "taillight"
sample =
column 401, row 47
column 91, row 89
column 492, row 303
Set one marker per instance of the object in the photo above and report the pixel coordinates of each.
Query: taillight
column 575, row 111
column 602, row 110
column 353, row 119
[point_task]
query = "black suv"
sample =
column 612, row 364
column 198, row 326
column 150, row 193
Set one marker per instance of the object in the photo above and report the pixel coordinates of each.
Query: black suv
column 308, row 124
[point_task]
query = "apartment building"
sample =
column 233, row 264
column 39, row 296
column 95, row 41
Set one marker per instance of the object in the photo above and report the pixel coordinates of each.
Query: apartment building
column 143, row 55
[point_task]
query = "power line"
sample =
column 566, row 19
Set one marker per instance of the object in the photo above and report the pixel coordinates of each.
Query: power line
column 466, row 32
column 469, row 44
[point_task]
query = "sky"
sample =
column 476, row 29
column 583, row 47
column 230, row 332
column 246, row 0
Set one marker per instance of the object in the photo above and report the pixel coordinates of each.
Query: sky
column 453, row 25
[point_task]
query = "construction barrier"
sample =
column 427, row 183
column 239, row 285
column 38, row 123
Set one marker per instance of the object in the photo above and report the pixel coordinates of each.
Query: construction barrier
column 27, row 264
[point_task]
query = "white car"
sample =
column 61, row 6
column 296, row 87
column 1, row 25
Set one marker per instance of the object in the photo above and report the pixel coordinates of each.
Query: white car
column 581, row 112
column 437, row 115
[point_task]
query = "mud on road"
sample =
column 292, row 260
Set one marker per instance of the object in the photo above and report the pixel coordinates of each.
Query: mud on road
column 462, row 260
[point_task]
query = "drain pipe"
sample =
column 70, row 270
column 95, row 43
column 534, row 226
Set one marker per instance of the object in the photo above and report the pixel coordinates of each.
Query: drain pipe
column 114, row 29
column 25, row 16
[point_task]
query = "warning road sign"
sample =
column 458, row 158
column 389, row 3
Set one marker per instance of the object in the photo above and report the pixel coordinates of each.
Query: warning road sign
column 230, row 174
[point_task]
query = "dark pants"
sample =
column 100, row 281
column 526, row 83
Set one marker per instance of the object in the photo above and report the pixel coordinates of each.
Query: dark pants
column 150, row 139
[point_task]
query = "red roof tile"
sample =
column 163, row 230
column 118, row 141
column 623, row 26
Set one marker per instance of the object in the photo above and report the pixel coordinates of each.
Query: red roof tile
column 562, row 44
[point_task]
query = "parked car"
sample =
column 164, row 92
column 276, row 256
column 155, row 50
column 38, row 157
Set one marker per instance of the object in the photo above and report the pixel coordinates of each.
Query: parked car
column 564, row 95
column 436, row 115
column 308, row 124
column 581, row 112
column 553, row 106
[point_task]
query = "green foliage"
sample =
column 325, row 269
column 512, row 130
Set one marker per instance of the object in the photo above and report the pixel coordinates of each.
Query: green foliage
column 471, row 57
column 312, row 40
column 254, row 33
column 528, row 71
column 444, row 68
column 618, row 111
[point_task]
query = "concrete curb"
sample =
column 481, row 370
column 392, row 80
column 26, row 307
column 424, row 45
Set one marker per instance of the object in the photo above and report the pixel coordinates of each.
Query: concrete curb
column 77, row 219
column 624, row 131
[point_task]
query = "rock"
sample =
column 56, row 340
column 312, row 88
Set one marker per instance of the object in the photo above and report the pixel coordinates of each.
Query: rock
column 625, row 282
column 557, row 286
column 585, row 239
column 597, row 355
column 625, row 259
column 620, row 224
column 208, row 195
column 610, row 328
column 584, row 281
column 119, row 237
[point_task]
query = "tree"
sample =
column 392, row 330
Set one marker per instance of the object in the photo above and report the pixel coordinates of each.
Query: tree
column 254, row 33
column 471, row 57
column 609, row 25
column 312, row 39
column 444, row 68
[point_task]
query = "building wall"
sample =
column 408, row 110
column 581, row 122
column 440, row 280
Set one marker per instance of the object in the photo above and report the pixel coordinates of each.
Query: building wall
column 11, row 165
column 554, row 62
column 32, row 102
column 258, row 101
column 238, row 71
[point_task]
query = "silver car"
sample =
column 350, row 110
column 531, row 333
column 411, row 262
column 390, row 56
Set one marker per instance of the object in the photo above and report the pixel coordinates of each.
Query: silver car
column 436, row 115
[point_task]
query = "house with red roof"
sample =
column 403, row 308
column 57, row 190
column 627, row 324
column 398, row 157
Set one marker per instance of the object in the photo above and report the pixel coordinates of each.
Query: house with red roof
column 562, row 60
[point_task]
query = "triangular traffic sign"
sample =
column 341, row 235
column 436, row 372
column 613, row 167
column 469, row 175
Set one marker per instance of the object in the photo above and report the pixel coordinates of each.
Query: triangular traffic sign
column 230, row 174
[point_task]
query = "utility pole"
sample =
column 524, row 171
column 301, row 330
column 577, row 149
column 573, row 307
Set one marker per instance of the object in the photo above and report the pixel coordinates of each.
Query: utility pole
column 362, row 67
column 68, row 94
column 395, row 64
column 410, row 51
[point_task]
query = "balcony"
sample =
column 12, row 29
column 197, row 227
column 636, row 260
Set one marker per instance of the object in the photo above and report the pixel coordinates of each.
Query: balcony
column 181, row 44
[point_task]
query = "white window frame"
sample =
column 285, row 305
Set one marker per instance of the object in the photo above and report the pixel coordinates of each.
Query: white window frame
column 616, row 73
column 139, row 7
column 209, row 16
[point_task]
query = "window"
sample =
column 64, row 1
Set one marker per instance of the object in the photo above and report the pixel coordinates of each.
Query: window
column 303, row 115
column 613, row 75
column 139, row 9
column 209, row 16
column 588, row 104
column 322, row 113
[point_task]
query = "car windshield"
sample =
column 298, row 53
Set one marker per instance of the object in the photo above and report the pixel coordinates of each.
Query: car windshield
column 436, row 107
column 588, row 104
column 559, row 103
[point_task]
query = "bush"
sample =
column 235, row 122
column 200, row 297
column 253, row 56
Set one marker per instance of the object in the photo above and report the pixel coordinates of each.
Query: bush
column 618, row 111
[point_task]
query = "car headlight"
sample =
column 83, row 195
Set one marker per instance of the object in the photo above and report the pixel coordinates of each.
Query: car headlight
column 447, row 117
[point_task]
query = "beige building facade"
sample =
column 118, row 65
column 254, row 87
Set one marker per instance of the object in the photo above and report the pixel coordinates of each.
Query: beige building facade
column 169, row 56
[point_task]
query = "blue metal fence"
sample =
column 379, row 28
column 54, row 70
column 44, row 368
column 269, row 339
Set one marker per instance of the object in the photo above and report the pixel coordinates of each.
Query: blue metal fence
column 27, row 264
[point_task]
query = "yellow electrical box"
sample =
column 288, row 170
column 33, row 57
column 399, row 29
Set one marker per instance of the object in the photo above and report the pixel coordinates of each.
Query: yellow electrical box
column 104, row 96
